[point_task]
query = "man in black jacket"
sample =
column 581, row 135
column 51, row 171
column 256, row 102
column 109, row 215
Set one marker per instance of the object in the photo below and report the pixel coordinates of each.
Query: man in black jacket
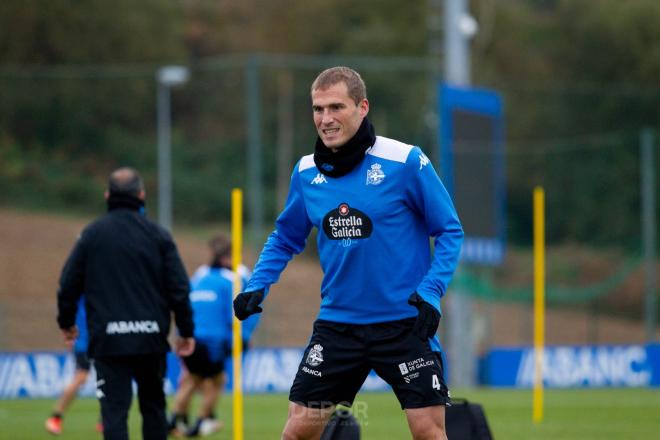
column 133, row 279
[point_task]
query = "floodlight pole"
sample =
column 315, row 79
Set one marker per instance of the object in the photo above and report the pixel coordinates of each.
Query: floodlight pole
column 459, row 28
column 457, row 42
column 166, row 78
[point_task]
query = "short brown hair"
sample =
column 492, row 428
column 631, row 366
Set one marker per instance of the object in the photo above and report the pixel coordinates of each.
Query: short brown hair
column 334, row 75
column 220, row 246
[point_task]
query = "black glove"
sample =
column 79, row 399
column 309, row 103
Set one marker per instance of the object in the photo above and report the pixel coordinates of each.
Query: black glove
column 428, row 317
column 247, row 303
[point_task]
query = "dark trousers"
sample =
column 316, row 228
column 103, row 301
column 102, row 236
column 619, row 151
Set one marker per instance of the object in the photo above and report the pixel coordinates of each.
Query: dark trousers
column 114, row 390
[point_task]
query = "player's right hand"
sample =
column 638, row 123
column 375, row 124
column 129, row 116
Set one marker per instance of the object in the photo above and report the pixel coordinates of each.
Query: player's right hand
column 247, row 303
column 70, row 335
column 184, row 346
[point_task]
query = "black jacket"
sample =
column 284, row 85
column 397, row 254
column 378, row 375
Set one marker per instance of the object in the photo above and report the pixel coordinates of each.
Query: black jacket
column 132, row 276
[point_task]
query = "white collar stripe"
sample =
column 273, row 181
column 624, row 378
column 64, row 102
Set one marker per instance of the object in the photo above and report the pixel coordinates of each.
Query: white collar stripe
column 389, row 149
column 306, row 162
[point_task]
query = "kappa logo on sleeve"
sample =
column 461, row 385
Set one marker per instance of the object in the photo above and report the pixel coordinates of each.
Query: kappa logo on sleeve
column 423, row 161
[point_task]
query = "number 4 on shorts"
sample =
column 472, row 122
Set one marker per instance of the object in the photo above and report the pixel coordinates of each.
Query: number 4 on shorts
column 435, row 382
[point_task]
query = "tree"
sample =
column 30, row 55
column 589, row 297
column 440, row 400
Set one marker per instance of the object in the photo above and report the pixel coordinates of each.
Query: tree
column 34, row 32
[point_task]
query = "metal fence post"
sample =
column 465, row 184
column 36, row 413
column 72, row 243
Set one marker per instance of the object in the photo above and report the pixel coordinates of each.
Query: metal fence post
column 647, row 164
column 254, row 149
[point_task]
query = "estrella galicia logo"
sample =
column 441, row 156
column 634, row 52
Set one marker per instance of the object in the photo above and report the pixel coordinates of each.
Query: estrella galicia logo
column 345, row 222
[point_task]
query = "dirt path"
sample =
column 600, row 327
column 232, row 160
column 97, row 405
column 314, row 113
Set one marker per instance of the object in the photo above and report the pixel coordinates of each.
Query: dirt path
column 33, row 248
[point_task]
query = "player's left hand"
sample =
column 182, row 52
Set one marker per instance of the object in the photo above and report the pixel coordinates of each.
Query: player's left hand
column 428, row 317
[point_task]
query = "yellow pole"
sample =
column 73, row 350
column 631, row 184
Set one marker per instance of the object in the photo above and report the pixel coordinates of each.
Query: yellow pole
column 237, row 350
column 539, row 302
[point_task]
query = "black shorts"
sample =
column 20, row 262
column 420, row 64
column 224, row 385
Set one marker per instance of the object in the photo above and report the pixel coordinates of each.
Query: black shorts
column 340, row 356
column 201, row 364
column 82, row 361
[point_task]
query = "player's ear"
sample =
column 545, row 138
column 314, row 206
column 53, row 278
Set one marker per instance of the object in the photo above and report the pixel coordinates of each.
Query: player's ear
column 363, row 107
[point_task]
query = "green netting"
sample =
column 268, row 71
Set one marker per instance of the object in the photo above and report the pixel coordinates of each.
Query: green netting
column 468, row 283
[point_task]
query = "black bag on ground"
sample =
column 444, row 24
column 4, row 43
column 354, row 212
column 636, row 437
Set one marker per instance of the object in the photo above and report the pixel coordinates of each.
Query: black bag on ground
column 466, row 421
column 342, row 426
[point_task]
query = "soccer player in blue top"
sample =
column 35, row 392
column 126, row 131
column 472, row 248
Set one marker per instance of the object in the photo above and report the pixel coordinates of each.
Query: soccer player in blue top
column 83, row 365
column 375, row 202
column 211, row 294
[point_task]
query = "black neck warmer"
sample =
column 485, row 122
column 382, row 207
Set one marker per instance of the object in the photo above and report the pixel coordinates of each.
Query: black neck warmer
column 348, row 156
column 126, row 201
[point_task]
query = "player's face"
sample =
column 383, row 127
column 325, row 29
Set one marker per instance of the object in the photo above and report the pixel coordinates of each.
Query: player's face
column 336, row 116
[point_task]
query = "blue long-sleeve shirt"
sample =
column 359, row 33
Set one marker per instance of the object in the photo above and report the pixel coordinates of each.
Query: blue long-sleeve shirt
column 211, row 295
column 82, row 341
column 374, row 225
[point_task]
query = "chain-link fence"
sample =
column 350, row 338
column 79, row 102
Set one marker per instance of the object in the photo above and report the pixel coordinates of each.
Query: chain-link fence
column 244, row 121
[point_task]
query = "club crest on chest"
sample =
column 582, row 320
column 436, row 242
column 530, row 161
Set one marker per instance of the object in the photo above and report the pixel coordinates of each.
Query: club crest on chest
column 375, row 175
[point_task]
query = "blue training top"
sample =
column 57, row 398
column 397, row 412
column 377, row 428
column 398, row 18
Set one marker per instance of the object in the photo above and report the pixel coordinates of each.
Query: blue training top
column 211, row 295
column 80, row 346
column 374, row 225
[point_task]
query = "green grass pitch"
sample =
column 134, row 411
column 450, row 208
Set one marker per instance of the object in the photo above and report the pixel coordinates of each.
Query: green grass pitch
column 569, row 414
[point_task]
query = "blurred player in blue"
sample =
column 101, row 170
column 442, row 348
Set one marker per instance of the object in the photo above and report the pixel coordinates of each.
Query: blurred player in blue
column 211, row 294
column 83, row 367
